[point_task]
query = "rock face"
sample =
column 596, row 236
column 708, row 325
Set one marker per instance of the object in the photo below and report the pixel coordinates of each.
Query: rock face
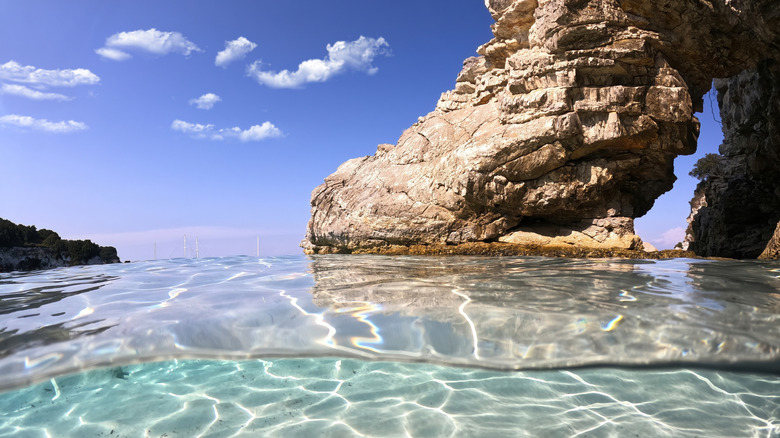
column 36, row 258
column 739, row 198
column 561, row 132
column 25, row 248
column 30, row 259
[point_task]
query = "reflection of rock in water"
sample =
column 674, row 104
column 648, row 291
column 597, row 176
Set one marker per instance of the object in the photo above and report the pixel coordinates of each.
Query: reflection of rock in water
column 31, row 303
column 119, row 373
column 724, row 285
column 13, row 341
column 37, row 294
column 535, row 310
column 407, row 282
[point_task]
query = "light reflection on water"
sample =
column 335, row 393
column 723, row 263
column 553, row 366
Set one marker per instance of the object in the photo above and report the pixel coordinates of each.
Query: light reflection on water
column 497, row 313
column 504, row 313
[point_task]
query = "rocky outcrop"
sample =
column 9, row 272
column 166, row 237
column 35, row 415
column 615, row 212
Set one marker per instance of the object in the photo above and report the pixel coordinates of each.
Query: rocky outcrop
column 25, row 248
column 35, row 258
column 698, row 201
column 563, row 130
column 739, row 196
column 30, row 259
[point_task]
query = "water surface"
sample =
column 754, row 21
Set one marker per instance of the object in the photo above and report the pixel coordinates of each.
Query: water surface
column 376, row 346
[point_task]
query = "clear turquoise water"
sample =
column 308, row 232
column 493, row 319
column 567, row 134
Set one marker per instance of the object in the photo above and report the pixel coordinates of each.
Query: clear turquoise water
column 392, row 346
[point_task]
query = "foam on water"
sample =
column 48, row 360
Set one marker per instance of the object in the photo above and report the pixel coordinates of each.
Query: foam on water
column 348, row 329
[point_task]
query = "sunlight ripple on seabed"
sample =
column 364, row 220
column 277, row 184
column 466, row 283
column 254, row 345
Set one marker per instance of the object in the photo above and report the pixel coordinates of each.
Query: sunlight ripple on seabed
column 344, row 397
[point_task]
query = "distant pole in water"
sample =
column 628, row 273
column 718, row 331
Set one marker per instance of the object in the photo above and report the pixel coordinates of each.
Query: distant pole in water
column 155, row 250
column 258, row 246
column 196, row 247
column 185, row 246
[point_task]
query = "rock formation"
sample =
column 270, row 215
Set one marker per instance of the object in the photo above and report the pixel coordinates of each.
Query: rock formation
column 561, row 132
column 37, row 258
column 25, row 248
column 29, row 259
column 736, row 209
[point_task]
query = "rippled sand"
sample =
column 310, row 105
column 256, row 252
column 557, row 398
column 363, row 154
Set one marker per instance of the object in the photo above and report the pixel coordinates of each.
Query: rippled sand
column 342, row 398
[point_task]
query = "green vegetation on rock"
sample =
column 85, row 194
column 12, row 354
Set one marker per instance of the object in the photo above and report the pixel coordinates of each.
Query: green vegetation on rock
column 69, row 252
column 707, row 166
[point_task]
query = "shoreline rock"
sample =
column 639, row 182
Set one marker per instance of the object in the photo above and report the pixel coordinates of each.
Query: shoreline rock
column 23, row 259
column 499, row 249
column 25, row 248
column 29, row 259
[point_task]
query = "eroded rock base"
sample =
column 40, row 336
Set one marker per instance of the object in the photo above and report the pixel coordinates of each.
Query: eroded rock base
column 607, row 233
column 495, row 249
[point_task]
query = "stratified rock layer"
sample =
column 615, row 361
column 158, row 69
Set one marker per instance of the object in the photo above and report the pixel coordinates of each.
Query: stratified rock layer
column 562, row 131
column 740, row 196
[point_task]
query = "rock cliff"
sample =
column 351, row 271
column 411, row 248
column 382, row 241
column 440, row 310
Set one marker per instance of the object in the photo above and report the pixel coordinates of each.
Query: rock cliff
column 737, row 205
column 35, row 258
column 561, row 132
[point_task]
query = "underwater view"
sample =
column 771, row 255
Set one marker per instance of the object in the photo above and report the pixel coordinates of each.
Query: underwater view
column 392, row 346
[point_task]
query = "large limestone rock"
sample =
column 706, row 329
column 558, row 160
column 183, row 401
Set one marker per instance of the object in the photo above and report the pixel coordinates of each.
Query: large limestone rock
column 737, row 206
column 561, row 132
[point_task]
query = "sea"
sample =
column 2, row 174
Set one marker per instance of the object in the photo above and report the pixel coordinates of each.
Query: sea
column 392, row 346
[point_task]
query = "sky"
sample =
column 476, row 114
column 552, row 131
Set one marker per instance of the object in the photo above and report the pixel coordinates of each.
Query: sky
column 133, row 123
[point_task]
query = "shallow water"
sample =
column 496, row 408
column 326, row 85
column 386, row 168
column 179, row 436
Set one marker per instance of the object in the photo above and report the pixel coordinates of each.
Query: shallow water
column 375, row 346
column 340, row 398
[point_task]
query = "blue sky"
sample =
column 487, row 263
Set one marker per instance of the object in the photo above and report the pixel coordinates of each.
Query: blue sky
column 136, row 122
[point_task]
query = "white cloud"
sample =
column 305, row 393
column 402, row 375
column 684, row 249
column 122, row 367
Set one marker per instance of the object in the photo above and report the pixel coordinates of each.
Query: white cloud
column 192, row 128
column 151, row 41
column 253, row 133
column 342, row 56
column 234, row 50
column 668, row 238
column 260, row 132
column 42, row 124
column 206, row 102
column 15, row 72
column 113, row 54
column 21, row 90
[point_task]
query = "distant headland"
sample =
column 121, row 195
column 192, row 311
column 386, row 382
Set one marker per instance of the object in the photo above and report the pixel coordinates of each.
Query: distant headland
column 25, row 248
